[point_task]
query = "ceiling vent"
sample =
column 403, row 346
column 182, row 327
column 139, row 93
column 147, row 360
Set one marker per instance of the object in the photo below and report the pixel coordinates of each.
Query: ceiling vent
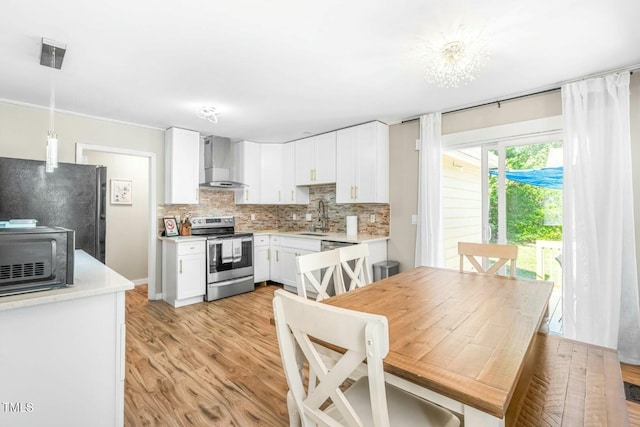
column 52, row 53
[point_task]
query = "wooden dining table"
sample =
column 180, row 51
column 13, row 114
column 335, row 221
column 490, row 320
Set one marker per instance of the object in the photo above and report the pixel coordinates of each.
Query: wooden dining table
column 460, row 340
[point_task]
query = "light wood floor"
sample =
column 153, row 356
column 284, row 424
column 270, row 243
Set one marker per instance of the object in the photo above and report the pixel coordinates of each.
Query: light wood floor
column 208, row 364
column 215, row 364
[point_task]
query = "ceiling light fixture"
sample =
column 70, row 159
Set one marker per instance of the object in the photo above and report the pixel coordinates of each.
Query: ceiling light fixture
column 52, row 53
column 208, row 113
column 51, row 56
column 455, row 59
column 52, row 137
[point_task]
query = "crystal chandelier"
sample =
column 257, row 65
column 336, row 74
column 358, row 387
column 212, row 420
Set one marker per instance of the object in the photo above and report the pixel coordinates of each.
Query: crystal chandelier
column 456, row 59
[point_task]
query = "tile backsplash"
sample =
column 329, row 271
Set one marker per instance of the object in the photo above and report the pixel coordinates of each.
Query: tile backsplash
column 280, row 217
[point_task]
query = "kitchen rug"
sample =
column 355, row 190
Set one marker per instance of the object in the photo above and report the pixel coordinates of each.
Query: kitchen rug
column 632, row 392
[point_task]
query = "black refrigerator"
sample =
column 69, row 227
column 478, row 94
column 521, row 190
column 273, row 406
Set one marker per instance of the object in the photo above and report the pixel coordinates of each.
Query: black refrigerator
column 72, row 196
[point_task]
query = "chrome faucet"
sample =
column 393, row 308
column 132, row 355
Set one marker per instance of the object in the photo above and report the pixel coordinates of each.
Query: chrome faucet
column 323, row 220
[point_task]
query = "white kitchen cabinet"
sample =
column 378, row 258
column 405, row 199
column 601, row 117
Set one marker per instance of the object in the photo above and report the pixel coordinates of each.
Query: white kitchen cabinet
column 315, row 159
column 247, row 171
column 271, row 191
column 362, row 160
column 290, row 248
column 274, row 261
column 291, row 194
column 261, row 258
column 182, row 166
column 183, row 271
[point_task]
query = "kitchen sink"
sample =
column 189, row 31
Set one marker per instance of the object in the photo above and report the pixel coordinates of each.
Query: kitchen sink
column 312, row 234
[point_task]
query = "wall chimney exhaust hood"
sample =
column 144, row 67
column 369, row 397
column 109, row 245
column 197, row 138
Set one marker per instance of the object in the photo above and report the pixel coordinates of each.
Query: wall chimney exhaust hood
column 218, row 164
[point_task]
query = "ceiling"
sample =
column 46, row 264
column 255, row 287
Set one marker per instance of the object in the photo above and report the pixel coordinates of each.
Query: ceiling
column 283, row 69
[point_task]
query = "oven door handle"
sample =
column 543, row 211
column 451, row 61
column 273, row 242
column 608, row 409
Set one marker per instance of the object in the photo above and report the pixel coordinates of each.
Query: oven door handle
column 229, row 282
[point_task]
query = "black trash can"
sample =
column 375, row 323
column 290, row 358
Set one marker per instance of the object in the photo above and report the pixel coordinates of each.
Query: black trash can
column 384, row 269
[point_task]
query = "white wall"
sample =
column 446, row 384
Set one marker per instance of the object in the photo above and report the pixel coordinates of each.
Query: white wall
column 127, row 234
column 403, row 192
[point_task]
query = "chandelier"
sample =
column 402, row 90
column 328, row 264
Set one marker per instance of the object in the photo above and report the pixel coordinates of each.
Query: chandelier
column 455, row 59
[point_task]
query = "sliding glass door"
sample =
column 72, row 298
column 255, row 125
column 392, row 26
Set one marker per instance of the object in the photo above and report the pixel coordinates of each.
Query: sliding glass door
column 509, row 192
column 522, row 204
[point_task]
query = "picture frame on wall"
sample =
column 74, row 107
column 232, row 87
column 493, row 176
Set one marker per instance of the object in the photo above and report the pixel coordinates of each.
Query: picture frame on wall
column 171, row 227
column 121, row 192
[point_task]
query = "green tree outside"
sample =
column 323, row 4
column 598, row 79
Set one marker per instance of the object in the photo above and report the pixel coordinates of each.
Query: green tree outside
column 533, row 213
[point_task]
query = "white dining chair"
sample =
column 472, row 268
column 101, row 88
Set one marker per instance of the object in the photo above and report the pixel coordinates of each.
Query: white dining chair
column 501, row 253
column 317, row 269
column 364, row 337
column 356, row 270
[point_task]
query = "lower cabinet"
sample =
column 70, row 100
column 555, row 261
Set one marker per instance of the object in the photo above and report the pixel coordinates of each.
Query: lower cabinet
column 290, row 248
column 261, row 258
column 274, row 259
column 183, row 272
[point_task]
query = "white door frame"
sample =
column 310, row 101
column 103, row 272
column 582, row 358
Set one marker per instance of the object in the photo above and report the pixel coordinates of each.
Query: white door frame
column 153, row 221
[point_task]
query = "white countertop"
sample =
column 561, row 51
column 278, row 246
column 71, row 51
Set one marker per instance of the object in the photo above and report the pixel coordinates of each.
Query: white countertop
column 91, row 278
column 334, row 237
column 176, row 239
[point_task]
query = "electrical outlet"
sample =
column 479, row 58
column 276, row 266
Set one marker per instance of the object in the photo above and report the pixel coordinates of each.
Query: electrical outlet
column 295, row 217
column 253, row 217
column 414, row 219
column 307, row 217
column 372, row 218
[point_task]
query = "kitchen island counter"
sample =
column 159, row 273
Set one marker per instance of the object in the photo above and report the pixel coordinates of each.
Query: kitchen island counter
column 63, row 351
column 91, row 278
column 176, row 239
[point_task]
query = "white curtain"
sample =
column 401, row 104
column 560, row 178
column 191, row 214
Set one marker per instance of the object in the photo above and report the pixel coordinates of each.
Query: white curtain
column 600, row 288
column 429, row 231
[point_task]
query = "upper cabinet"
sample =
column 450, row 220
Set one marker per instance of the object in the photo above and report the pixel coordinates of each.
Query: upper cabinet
column 315, row 160
column 362, row 160
column 247, row 170
column 291, row 194
column 182, row 165
column 268, row 170
column 270, row 174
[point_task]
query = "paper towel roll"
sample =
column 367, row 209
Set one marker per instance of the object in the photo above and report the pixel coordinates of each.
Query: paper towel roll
column 352, row 225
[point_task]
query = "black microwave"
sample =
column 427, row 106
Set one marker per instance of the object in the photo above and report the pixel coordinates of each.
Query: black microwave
column 36, row 258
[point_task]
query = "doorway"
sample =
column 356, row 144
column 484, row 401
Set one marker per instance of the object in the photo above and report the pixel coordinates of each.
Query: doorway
column 83, row 151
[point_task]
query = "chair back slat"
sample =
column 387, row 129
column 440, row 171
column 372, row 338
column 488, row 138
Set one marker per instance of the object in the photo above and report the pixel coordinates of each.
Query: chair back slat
column 360, row 274
column 363, row 336
column 502, row 254
column 317, row 269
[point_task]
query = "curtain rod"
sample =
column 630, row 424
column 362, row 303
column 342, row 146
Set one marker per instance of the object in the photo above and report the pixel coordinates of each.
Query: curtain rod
column 484, row 104
column 526, row 95
column 500, row 101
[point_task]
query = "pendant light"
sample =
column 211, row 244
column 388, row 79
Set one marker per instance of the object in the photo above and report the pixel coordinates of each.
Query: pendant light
column 52, row 137
column 51, row 56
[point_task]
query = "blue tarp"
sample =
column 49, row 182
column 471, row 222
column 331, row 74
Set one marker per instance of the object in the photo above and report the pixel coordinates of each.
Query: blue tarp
column 543, row 177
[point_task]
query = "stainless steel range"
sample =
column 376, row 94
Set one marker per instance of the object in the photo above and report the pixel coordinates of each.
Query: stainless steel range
column 229, row 256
